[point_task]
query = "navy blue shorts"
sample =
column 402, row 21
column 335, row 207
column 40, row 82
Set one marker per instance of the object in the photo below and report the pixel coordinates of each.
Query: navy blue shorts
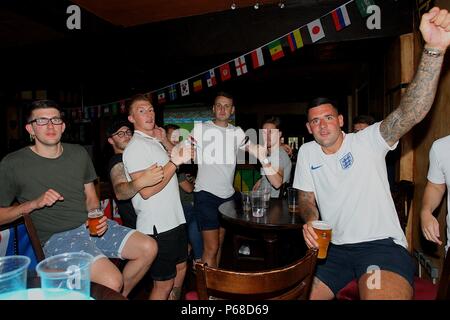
column 172, row 250
column 350, row 261
column 206, row 204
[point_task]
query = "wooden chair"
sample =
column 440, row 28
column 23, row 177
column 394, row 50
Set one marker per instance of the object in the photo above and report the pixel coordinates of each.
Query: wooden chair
column 292, row 282
column 32, row 234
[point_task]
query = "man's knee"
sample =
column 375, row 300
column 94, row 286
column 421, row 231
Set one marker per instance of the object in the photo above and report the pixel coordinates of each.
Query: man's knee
column 112, row 280
column 320, row 291
column 384, row 285
column 149, row 249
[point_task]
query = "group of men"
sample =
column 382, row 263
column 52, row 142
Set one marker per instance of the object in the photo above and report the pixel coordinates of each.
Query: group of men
column 341, row 177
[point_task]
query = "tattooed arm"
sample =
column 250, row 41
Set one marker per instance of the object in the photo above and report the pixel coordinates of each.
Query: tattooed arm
column 126, row 190
column 309, row 213
column 420, row 94
column 307, row 205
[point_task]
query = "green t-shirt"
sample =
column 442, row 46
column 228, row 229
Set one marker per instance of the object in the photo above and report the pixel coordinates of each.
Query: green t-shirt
column 25, row 176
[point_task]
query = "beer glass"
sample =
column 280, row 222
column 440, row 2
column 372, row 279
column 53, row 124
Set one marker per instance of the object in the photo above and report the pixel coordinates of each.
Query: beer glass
column 323, row 231
column 94, row 217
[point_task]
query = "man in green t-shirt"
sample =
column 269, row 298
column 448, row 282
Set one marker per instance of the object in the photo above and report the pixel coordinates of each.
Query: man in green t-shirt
column 53, row 181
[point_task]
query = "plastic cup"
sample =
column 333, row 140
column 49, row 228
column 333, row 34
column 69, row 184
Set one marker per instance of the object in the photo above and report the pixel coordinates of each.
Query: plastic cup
column 13, row 277
column 266, row 192
column 323, row 231
column 293, row 200
column 94, row 217
column 66, row 276
column 246, row 201
column 259, row 207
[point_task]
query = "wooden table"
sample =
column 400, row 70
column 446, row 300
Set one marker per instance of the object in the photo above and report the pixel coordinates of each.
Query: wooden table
column 276, row 220
column 98, row 291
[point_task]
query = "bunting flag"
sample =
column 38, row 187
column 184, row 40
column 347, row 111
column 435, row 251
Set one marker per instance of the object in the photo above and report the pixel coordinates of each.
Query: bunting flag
column 161, row 97
column 257, row 58
column 295, row 40
column 275, row 49
column 210, row 78
column 316, row 30
column 225, row 73
column 184, row 88
column 173, row 92
column 197, row 85
column 340, row 18
column 92, row 113
column 241, row 67
column 363, row 5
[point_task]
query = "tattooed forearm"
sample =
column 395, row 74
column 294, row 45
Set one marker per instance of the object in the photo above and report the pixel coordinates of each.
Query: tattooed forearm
column 307, row 205
column 122, row 188
column 416, row 102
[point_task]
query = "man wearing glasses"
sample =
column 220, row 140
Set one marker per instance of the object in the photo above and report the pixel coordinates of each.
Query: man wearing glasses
column 53, row 182
column 119, row 134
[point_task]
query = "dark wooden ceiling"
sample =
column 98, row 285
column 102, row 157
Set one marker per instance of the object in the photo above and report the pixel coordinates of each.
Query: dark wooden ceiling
column 136, row 12
column 111, row 61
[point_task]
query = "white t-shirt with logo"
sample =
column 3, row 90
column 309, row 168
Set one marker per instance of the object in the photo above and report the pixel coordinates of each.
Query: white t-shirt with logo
column 351, row 187
column 439, row 171
column 217, row 149
column 162, row 210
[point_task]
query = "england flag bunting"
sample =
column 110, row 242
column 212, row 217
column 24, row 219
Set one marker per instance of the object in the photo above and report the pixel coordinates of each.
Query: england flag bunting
column 241, row 67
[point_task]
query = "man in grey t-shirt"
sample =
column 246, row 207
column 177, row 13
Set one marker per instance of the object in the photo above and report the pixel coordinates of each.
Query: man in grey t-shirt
column 53, row 182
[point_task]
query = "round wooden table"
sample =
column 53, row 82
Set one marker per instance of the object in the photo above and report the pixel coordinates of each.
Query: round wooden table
column 276, row 220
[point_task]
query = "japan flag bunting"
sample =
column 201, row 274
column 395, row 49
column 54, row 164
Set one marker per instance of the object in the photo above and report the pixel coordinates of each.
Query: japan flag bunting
column 257, row 58
column 341, row 18
column 184, row 88
column 241, row 67
column 211, row 78
column 316, row 30
column 225, row 73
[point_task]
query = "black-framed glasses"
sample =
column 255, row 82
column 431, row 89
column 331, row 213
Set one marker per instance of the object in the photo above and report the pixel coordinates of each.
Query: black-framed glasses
column 122, row 134
column 45, row 121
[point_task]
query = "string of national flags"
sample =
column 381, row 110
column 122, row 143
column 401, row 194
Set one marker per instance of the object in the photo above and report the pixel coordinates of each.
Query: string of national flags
column 239, row 66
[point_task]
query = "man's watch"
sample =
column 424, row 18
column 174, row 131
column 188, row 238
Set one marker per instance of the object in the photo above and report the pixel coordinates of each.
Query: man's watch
column 265, row 161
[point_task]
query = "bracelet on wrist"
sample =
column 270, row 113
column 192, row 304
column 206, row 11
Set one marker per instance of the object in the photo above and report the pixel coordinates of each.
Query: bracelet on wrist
column 173, row 164
column 432, row 52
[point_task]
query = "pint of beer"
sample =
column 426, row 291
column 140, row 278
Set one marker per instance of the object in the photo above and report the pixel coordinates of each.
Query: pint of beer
column 323, row 231
column 94, row 217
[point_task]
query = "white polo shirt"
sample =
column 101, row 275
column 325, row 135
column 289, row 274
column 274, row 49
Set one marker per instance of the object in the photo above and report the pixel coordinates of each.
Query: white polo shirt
column 351, row 187
column 216, row 157
column 162, row 210
column 439, row 171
